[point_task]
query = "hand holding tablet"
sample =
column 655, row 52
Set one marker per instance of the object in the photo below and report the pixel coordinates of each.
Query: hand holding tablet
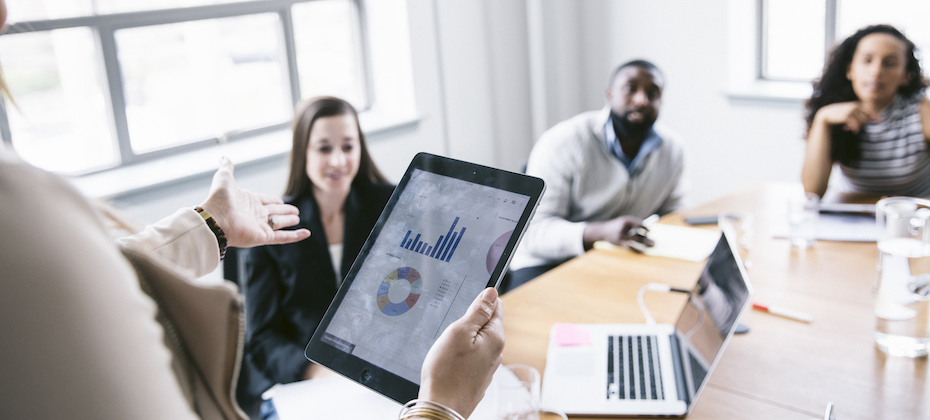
column 446, row 234
column 459, row 367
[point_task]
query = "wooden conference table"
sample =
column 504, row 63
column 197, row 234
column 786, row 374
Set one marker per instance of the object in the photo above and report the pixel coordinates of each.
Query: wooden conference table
column 781, row 369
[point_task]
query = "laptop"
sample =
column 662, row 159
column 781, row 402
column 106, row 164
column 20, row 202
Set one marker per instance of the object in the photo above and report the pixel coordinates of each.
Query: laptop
column 650, row 370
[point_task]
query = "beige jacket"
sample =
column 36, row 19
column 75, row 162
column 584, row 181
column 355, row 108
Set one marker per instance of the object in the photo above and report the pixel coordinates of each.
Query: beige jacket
column 79, row 338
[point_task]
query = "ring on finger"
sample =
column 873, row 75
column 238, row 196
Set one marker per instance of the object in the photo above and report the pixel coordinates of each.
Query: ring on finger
column 271, row 221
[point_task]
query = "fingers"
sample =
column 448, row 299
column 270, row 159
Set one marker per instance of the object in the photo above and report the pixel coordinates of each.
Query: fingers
column 283, row 215
column 226, row 164
column 636, row 234
column 632, row 224
column 482, row 309
column 870, row 115
column 267, row 199
column 281, row 209
column 636, row 247
column 485, row 317
column 853, row 124
column 284, row 220
column 639, row 243
column 225, row 170
column 496, row 323
column 493, row 332
column 288, row 236
column 858, row 117
column 630, row 227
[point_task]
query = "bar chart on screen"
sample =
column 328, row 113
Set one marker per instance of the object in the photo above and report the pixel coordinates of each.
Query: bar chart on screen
column 442, row 249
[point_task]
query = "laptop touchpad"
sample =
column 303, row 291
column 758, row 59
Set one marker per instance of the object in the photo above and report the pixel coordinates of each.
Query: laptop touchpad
column 576, row 363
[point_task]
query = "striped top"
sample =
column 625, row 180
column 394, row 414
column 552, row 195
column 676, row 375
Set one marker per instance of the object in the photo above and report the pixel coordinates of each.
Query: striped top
column 894, row 155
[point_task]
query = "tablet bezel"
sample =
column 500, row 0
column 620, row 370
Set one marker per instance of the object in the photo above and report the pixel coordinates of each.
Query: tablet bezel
column 378, row 379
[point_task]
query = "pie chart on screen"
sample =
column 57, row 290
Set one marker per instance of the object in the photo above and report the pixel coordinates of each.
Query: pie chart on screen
column 496, row 250
column 399, row 291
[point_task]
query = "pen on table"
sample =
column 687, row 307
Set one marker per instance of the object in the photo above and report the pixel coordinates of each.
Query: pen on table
column 643, row 228
column 650, row 220
column 787, row 313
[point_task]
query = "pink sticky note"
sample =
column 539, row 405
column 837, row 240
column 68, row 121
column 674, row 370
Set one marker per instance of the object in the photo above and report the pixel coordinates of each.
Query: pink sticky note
column 571, row 335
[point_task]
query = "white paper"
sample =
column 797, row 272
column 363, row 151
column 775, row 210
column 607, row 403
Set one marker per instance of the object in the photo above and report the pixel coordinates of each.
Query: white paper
column 837, row 227
column 680, row 242
column 332, row 397
column 336, row 397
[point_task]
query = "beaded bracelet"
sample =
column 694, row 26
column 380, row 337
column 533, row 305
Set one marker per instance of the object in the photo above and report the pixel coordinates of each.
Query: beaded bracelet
column 217, row 230
column 428, row 410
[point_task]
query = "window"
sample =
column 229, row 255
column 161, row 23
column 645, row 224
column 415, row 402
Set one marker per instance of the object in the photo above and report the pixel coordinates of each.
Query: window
column 793, row 39
column 105, row 83
column 778, row 46
column 799, row 34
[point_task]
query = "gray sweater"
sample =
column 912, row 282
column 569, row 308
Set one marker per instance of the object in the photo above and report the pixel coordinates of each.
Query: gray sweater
column 585, row 182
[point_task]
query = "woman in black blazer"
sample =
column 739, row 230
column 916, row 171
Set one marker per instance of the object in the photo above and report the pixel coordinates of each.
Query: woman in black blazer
column 340, row 194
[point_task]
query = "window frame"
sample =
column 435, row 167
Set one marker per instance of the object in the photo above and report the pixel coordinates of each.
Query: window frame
column 105, row 26
column 746, row 29
column 829, row 36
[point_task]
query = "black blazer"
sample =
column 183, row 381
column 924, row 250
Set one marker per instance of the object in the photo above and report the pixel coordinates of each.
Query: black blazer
column 289, row 287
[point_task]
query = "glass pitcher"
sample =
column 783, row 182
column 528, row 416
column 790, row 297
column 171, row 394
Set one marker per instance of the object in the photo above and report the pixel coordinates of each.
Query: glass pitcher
column 902, row 309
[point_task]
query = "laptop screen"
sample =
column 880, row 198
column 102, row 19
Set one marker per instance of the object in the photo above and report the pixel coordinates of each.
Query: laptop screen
column 710, row 315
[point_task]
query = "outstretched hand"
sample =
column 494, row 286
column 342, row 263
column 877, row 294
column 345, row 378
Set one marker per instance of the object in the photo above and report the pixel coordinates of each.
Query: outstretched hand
column 250, row 219
column 460, row 365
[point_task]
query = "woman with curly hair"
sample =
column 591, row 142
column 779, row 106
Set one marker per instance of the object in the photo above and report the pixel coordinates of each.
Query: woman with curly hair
column 869, row 114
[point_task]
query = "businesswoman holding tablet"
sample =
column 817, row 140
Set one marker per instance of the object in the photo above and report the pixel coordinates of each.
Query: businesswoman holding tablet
column 340, row 193
column 86, row 336
column 868, row 113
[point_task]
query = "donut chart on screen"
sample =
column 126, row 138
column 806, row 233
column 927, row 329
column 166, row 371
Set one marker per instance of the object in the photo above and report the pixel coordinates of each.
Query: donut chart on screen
column 496, row 250
column 399, row 278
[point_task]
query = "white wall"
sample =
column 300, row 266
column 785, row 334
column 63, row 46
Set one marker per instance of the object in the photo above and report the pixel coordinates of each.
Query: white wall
column 731, row 143
column 489, row 76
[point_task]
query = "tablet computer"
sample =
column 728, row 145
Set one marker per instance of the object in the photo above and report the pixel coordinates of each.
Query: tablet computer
column 446, row 234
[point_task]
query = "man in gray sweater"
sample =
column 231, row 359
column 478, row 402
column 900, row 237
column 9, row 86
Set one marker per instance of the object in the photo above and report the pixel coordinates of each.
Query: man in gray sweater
column 605, row 171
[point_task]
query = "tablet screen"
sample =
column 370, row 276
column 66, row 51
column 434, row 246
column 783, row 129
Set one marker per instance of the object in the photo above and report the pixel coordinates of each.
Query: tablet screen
column 433, row 254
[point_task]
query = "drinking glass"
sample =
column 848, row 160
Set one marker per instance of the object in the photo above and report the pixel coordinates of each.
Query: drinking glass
column 803, row 212
column 902, row 309
column 518, row 393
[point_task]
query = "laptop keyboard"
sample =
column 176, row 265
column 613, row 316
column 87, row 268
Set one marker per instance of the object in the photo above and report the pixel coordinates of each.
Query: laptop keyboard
column 633, row 370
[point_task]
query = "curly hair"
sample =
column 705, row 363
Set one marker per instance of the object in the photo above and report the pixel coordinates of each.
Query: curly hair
column 833, row 87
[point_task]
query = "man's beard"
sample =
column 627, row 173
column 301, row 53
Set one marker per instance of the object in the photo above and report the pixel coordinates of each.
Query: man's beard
column 626, row 128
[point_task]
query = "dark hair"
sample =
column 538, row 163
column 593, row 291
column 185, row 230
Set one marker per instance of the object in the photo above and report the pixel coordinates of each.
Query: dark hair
column 298, row 183
column 635, row 63
column 833, row 86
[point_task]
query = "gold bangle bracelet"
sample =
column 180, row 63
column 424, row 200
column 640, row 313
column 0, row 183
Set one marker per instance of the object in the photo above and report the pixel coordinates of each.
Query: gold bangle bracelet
column 429, row 410
column 425, row 413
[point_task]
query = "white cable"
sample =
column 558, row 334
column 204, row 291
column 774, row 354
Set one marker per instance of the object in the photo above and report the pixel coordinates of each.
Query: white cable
column 659, row 287
column 652, row 287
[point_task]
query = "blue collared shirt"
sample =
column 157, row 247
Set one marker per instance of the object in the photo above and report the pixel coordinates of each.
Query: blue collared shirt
column 652, row 142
